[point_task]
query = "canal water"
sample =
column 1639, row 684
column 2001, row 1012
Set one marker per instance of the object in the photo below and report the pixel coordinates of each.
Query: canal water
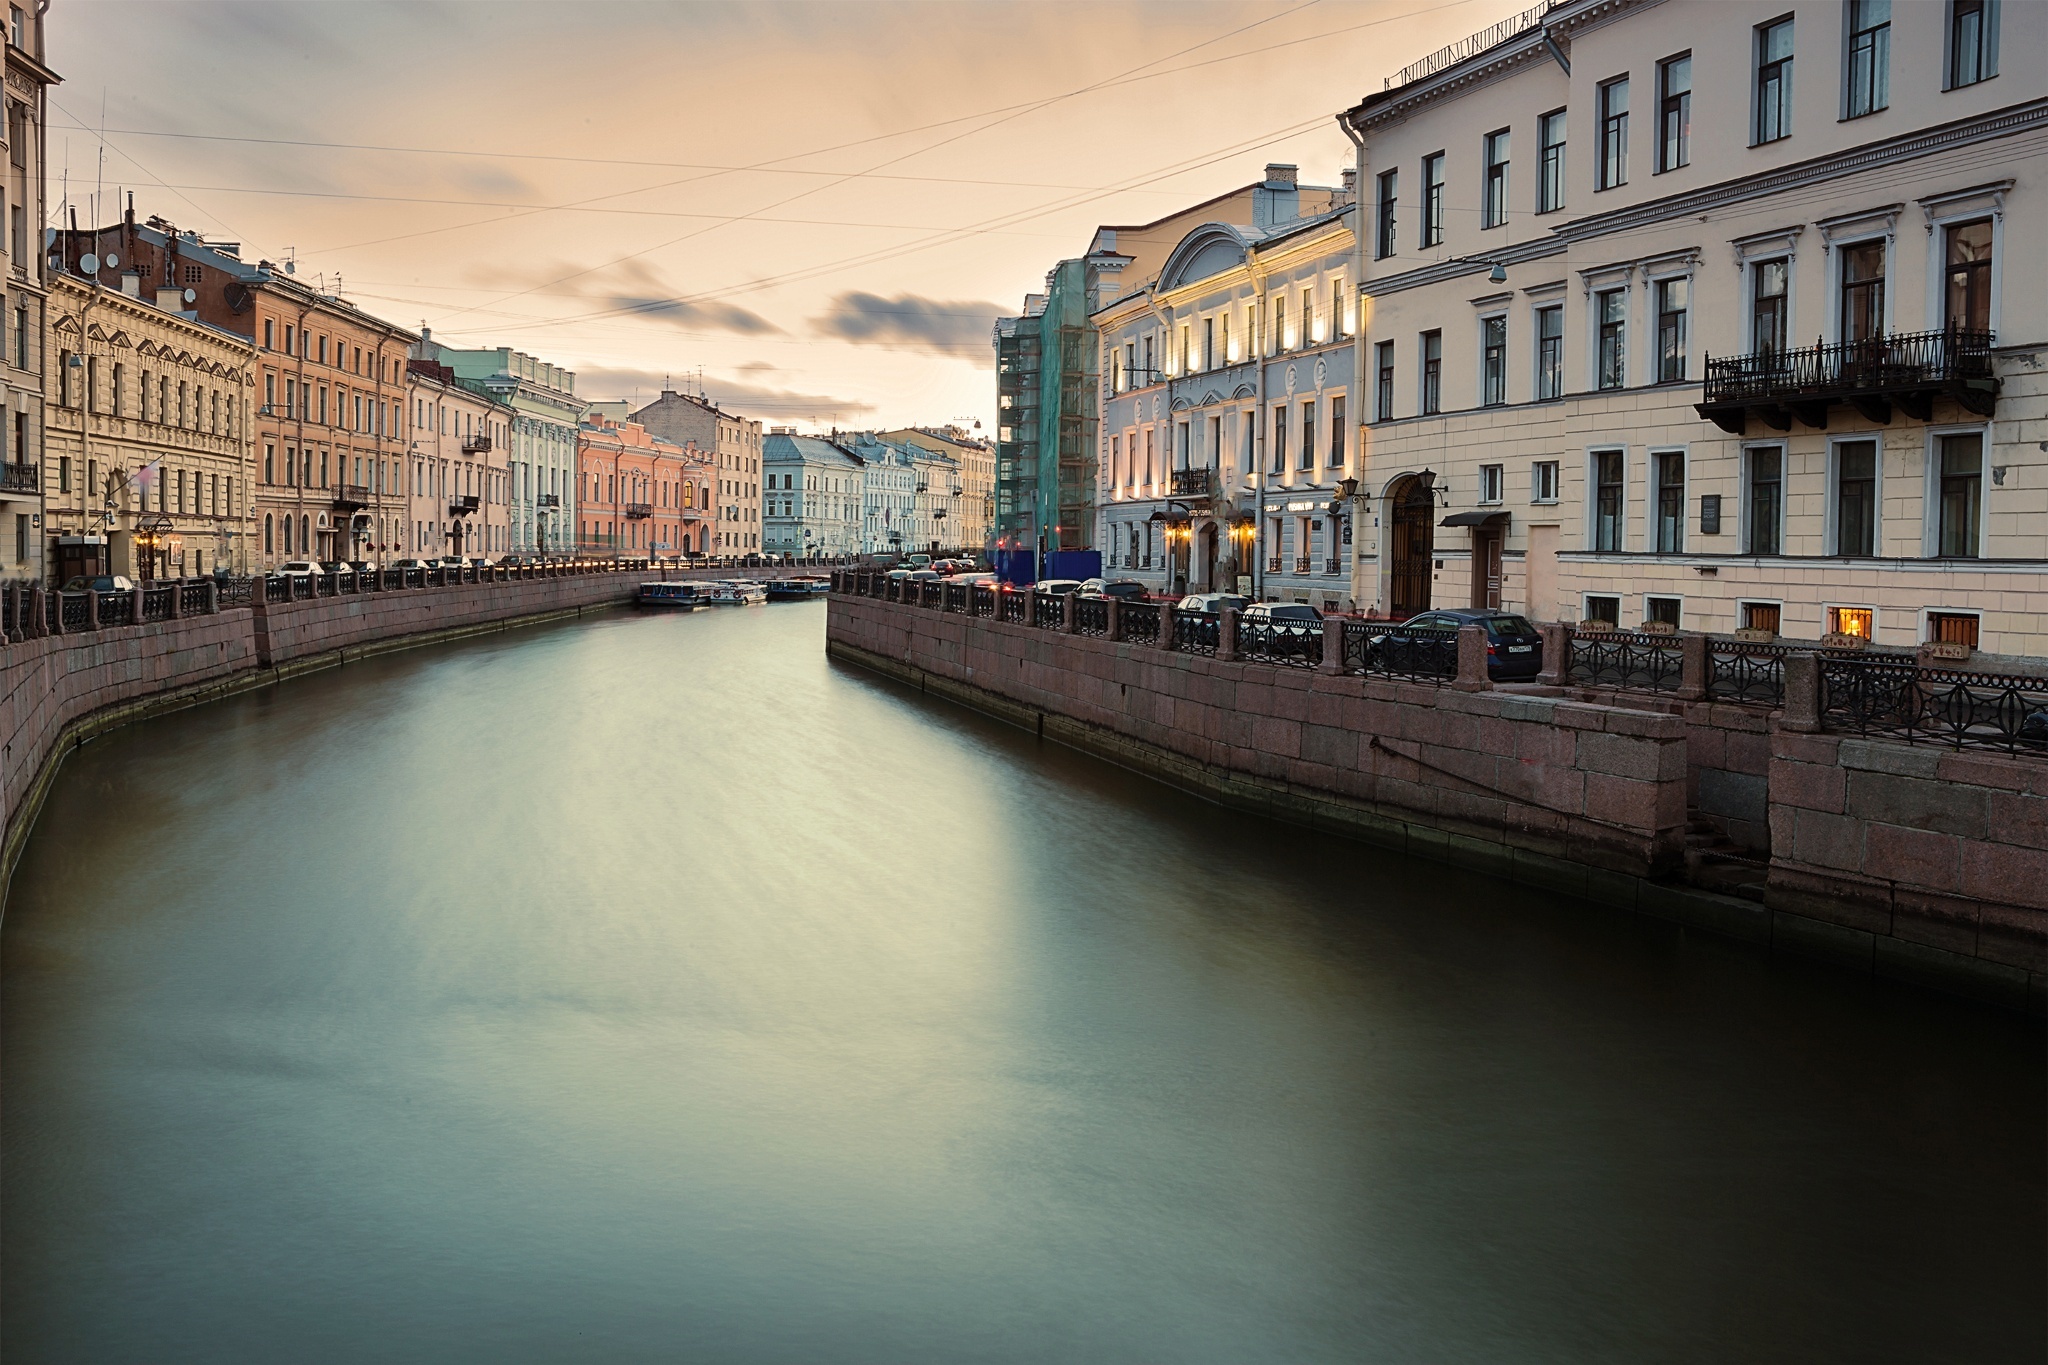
column 653, row 989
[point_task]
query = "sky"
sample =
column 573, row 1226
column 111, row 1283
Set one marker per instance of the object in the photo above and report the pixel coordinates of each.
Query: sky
column 814, row 210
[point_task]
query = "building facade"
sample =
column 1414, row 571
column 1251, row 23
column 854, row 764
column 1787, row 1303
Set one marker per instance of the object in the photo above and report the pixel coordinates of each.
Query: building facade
column 641, row 496
column 458, row 480
column 970, row 512
column 735, row 443
column 24, row 325
column 148, row 452
column 816, row 492
column 540, row 460
column 1657, row 334
column 1227, row 431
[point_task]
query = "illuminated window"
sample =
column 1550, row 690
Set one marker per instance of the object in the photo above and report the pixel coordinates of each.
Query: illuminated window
column 1857, row 621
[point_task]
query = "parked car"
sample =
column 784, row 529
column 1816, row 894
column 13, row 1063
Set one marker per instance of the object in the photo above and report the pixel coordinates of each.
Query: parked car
column 1514, row 648
column 408, row 564
column 1281, row 628
column 301, row 568
column 917, row 561
column 1208, row 608
column 362, row 566
column 1129, row 589
column 979, row 578
column 100, row 583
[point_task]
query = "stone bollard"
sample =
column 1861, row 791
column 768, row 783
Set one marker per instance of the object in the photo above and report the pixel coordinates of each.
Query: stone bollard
column 177, row 607
column 1472, row 674
column 1070, row 612
column 1802, row 694
column 38, row 613
column 135, row 605
column 945, row 597
column 1333, row 645
column 1165, row 640
column 1557, row 654
column 212, row 599
column 1114, row 609
column 1226, row 634
column 1693, row 666
column 92, row 608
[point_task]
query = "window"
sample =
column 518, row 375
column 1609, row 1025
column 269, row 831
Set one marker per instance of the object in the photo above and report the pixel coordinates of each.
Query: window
column 1768, row 314
column 1492, row 482
column 1763, row 616
column 1550, row 162
column 1960, row 505
column 1671, row 305
column 1549, row 352
column 1773, row 81
column 1543, row 481
column 1862, row 291
column 1763, row 491
column 1614, row 133
column 1433, row 200
column 1493, row 209
column 1278, row 341
column 1972, row 42
column 1952, row 628
column 1493, row 361
column 1383, row 366
column 269, row 334
column 63, row 473
column 1669, row 466
column 1603, row 609
column 1209, row 343
column 1855, row 499
column 1432, row 372
column 1309, row 330
column 1662, row 611
column 1337, row 432
column 1611, row 308
column 1279, row 452
column 1870, row 49
column 1607, row 500
column 1674, row 112
column 1308, row 436
column 1967, row 306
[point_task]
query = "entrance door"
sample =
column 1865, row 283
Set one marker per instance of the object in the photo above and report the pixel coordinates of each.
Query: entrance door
column 1486, row 545
column 1411, row 545
column 1208, row 562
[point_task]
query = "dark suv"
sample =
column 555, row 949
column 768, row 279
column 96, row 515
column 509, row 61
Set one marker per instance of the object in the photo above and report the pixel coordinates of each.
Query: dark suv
column 1514, row 648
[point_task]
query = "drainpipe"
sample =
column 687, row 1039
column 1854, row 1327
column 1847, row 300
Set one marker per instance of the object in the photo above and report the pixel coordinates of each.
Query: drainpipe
column 1358, row 363
column 1261, row 319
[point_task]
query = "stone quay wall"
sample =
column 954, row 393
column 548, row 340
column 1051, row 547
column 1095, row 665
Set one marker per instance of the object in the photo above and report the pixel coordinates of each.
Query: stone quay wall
column 1903, row 860
column 63, row 689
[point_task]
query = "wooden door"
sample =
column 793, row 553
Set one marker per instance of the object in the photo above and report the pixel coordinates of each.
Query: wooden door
column 1411, row 547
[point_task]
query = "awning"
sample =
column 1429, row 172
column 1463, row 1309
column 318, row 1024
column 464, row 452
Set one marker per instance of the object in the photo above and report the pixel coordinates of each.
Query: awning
column 1475, row 519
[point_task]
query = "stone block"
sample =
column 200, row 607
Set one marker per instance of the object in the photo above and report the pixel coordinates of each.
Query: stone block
column 1620, row 756
column 1747, row 752
column 1914, row 857
column 1810, row 786
column 1623, row 801
column 1736, row 796
column 1987, row 770
column 2003, row 873
column 2015, row 936
column 1919, row 803
column 1937, row 920
column 1329, row 745
column 1823, row 750
column 1884, row 756
column 1823, row 840
column 2013, row 818
column 1546, row 744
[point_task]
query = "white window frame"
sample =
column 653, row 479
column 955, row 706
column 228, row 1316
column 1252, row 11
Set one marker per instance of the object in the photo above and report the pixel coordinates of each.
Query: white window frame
column 1643, row 606
column 1557, row 483
column 1742, row 602
column 1479, row 369
column 1930, row 491
column 1829, row 528
column 1927, row 615
column 1841, row 233
column 1593, row 498
column 1536, row 312
column 1742, row 499
column 1650, row 286
column 1586, row 605
column 1626, row 288
column 1964, row 206
column 1655, row 491
column 1500, row 489
column 1876, row 614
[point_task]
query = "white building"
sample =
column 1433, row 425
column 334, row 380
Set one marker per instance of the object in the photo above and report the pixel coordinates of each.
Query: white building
column 812, row 497
column 1572, row 227
column 1227, row 376
column 541, row 455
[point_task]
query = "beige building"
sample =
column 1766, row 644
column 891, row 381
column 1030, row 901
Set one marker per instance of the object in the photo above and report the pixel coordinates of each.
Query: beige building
column 970, row 506
column 148, row 456
column 735, row 445
column 458, row 486
column 23, row 323
column 1656, row 332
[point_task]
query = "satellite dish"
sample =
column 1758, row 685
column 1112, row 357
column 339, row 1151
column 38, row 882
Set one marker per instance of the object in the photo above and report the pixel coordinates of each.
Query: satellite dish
column 113, row 261
column 237, row 296
column 190, row 296
column 89, row 263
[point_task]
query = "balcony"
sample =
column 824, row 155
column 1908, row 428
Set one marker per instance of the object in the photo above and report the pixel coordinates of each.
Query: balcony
column 1193, row 483
column 1273, row 564
column 463, row 506
column 1332, row 566
column 20, row 478
column 548, row 500
column 639, row 511
column 1303, row 564
column 1906, row 371
column 476, row 445
column 350, row 496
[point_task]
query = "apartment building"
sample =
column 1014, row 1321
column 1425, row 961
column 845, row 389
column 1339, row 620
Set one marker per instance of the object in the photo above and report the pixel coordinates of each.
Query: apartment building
column 1657, row 332
column 971, row 504
column 148, row 453
column 641, row 495
column 540, row 458
column 815, row 492
column 1228, row 374
column 735, row 444
column 457, row 468
column 23, row 318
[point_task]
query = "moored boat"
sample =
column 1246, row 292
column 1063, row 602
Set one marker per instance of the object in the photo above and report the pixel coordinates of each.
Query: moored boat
column 681, row 596
column 797, row 589
column 732, row 592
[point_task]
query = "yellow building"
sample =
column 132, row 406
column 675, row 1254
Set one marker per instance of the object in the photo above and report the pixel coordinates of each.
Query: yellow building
column 973, row 502
column 147, row 455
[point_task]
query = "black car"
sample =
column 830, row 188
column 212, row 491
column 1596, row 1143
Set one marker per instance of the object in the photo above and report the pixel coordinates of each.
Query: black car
column 1280, row 628
column 1129, row 589
column 1514, row 648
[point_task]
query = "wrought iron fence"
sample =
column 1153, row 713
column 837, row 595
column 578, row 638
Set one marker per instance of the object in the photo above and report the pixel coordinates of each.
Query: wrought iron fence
column 117, row 609
column 73, row 610
column 1015, row 606
column 156, row 603
column 956, row 597
column 1753, row 673
column 1196, row 632
column 1897, row 698
column 1139, row 620
column 1091, row 616
column 1296, row 645
column 1622, row 658
column 277, row 590
column 193, row 601
column 981, row 600
column 10, row 610
column 1048, row 611
column 53, row 610
column 1383, row 649
column 236, row 592
column 1903, row 360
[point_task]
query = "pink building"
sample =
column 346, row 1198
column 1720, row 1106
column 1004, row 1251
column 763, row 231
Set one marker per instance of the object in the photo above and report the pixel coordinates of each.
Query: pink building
column 640, row 495
column 458, row 494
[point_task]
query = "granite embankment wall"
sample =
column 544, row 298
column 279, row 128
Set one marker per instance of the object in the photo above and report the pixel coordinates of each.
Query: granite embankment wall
column 61, row 690
column 1901, row 860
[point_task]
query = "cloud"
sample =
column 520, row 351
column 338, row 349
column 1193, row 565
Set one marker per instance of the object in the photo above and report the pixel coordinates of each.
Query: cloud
column 948, row 327
column 771, row 405
column 712, row 317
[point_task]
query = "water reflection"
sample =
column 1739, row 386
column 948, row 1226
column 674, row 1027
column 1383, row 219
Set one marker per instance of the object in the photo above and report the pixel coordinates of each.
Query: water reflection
column 654, row 989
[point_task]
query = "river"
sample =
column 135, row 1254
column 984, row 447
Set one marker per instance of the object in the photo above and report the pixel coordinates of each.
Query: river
column 653, row 989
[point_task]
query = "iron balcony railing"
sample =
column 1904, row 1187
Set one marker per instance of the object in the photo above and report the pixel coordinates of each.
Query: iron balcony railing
column 464, row 505
column 1193, row 483
column 351, row 495
column 639, row 511
column 1910, row 369
column 20, row 478
column 476, row 445
column 1332, row 566
column 1302, row 563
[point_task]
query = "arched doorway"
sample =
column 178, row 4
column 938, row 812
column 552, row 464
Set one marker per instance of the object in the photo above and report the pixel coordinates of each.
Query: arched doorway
column 1207, row 558
column 1409, row 511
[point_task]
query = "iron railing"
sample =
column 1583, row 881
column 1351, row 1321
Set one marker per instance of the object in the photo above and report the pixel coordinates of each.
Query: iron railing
column 156, row 603
column 117, row 609
column 1048, row 610
column 277, row 590
column 1193, row 483
column 72, row 610
column 1294, row 644
column 1139, row 620
column 236, row 592
column 1901, row 700
column 1196, row 632
column 1874, row 365
column 1750, row 673
column 1383, row 649
column 20, row 478
column 1016, row 605
column 1622, row 658
column 1091, row 616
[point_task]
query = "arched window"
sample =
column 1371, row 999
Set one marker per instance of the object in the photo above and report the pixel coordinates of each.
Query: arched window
column 269, row 530
column 287, row 535
column 305, row 536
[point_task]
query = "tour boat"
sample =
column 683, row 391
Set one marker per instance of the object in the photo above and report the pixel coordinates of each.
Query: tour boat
column 678, row 595
column 732, row 592
column 797, row 589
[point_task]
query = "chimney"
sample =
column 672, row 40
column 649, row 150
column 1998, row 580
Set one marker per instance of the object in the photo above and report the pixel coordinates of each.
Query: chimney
column 170, row 298
column 1277, row 199
column 1351, row 184
column 131, row 285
